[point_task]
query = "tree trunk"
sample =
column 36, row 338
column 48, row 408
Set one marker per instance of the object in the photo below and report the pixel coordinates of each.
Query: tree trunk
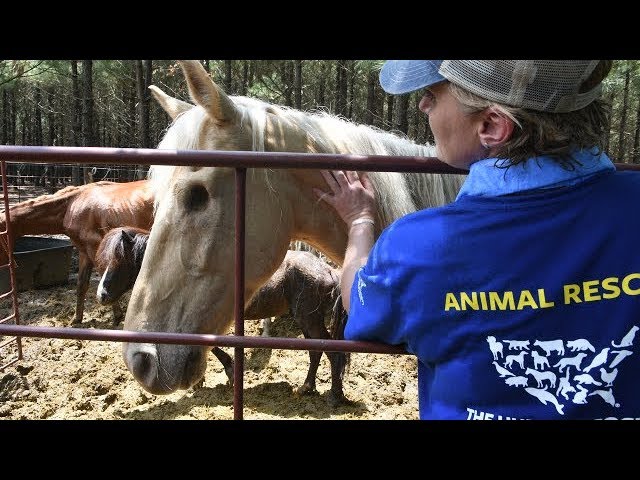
column 88, row 136
column 321, row 87
column 341, row 88
column 401, row 120
column 297, row 85
column 351, row 79
column 370, row 111
column 14, row 117
column 76, row 119
column 133, row 118
column 59, row 135
column 227, row 76
column 103, row 139
column 245, row 77
column 636, row 138
column 37, row 126
column 390, row 103
column 51, row 118
column 5, row 117
column 607, row 137
column 25, row 124
column 286, row 76
column 252, row 73
column 143, row 106
column 623, row 117
column 148, row 80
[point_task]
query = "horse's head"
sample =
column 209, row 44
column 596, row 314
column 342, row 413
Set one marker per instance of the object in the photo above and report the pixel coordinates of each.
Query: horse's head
column 186, row 280
column 119, row 257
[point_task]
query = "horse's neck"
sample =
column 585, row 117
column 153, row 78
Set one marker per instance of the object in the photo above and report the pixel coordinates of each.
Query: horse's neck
column 398, row 194
column 42, row 215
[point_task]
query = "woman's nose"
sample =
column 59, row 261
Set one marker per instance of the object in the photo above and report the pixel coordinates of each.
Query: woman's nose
column 426, row 103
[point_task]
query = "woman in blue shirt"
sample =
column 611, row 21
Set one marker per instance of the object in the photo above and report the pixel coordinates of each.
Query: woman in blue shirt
column 519, row 299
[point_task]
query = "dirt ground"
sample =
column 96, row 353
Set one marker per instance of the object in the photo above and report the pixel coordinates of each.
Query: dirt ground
column 81, row 379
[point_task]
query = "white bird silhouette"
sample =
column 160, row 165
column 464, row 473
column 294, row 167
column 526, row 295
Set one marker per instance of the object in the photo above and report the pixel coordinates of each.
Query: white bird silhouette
column 599, row 360
column 608, row 377
column 502, row 371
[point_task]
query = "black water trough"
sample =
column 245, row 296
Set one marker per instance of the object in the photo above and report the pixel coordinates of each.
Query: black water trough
column 42, row 262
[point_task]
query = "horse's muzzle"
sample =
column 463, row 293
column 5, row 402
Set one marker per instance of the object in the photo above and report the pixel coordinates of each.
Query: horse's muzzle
column 143, row 361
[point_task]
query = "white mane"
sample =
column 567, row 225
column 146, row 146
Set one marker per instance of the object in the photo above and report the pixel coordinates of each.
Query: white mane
column 397, row 193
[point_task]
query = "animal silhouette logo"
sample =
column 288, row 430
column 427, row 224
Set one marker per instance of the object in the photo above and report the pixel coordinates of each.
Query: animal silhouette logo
column 558, row 371
column 627, row 341
column 361, row 284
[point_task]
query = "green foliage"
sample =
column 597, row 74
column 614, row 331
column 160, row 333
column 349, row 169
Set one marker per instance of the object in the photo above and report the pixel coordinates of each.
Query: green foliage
column 116, row 98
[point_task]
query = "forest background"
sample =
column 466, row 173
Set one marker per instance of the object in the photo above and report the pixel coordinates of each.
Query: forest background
column 106, row 103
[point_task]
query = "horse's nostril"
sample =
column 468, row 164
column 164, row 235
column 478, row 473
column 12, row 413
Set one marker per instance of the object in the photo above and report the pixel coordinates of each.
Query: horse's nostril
column 144, row 364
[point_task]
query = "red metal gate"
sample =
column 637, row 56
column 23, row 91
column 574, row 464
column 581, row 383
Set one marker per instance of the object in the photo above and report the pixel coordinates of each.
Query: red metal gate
column 240, row 161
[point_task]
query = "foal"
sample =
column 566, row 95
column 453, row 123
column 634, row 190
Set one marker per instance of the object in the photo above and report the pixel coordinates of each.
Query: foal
column 304, row 286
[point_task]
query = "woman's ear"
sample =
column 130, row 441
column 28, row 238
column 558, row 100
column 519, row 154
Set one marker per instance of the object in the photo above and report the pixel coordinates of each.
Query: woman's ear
column 495, row 128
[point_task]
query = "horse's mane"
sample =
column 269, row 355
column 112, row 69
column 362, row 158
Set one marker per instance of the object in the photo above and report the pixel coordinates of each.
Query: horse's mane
column 112, row 249
column 397, row 193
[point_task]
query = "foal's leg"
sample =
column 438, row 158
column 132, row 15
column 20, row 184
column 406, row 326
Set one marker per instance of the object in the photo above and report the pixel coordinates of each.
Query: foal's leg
column 312, row 326
column 85, row 267
column 266, row 323
column 118, row 312
column 226, row 361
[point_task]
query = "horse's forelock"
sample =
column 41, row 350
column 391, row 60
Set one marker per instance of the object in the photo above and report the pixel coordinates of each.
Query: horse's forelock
column 110, row 249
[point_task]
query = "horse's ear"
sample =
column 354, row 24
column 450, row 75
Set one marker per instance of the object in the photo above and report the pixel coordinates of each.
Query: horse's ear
column 206, row 93
column 172, row 106
column 126, row 237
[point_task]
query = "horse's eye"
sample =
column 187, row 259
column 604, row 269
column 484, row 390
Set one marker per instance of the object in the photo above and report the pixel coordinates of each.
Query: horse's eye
column 196, row 198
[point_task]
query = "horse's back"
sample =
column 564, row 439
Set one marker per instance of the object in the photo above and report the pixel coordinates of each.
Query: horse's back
column 104, row 205
column 301, row 285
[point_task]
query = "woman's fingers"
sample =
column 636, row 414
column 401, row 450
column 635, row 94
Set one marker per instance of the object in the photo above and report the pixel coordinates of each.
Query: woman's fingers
column 366, row 181
column 352, row 176
column 342, row 182
column 331, row 181
column 341, row 178
column 322, row 195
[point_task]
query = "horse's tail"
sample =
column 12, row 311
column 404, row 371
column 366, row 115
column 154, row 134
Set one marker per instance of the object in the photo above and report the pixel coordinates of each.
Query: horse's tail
column 338, row 323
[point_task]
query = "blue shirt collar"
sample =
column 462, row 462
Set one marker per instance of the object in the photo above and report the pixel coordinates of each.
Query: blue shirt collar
column 485, row 179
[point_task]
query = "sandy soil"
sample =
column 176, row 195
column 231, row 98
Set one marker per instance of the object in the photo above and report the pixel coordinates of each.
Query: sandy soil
column 74, row 379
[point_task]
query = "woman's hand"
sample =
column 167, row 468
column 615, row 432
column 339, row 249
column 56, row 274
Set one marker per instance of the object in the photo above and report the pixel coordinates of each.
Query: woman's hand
column 351, row 195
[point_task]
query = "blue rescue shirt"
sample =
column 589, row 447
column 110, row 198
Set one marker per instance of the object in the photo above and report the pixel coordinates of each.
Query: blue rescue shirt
column 520, row 299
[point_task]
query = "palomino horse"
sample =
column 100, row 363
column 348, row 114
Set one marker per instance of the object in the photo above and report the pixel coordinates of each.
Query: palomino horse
column 304, row 286
column 184, row 284
column 85, row 214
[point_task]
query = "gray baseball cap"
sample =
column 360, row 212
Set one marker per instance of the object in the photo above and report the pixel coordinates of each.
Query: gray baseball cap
column 543, row 85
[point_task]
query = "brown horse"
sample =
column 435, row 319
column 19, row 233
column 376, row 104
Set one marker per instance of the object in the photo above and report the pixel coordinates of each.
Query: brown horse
column 304, row 286
column 85, row 214
column 184, row 284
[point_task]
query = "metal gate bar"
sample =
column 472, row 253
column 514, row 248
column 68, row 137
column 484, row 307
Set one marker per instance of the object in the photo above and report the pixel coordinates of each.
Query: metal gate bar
column 7, row 243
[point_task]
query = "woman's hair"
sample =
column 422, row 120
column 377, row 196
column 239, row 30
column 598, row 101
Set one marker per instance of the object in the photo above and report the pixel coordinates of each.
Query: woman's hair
column 550, row 134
